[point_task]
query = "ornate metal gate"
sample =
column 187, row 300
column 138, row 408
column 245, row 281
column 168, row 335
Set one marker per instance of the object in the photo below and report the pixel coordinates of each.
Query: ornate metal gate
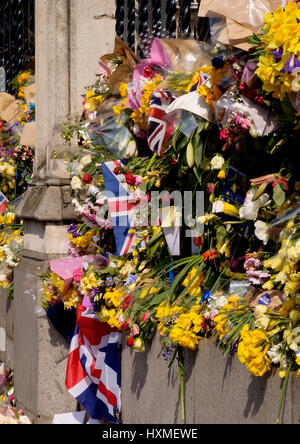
column 16, row 36
column 162, row 18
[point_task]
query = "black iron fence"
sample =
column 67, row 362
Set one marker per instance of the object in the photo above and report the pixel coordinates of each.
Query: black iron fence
column 136, row 19
column 16, row 36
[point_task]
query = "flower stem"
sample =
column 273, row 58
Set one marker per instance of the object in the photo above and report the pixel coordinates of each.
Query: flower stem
column 283, row 391
column 181, row 374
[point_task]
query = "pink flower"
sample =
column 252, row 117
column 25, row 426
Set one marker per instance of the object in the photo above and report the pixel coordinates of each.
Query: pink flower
column 135, row 330
column 223, row 134
column 210, row 187
column 246, row 124
column 78, row 275
column 138, row 180
column 252, row 263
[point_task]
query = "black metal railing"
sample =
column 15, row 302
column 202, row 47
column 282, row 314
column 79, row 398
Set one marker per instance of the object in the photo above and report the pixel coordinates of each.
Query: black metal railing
column 17, row 43
column 136, row 20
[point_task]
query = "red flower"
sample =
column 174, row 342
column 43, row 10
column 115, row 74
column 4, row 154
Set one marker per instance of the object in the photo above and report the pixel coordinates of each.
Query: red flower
column 198, row 241
column 127, row 302
column 117, row 169
column 148, row 72
column 125, row 326
column 130, row 179
column 130, row 341
column 223, row 134
column 87, row 179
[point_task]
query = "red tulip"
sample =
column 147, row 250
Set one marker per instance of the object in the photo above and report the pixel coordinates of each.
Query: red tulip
column 130, row 341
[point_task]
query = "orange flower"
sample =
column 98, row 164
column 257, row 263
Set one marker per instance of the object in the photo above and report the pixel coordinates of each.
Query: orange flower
column 210, row 255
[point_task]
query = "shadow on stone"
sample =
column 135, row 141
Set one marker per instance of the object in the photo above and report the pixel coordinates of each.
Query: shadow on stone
column 256, row 395
column 57, row 340
column 227, row 370
column 139, row 373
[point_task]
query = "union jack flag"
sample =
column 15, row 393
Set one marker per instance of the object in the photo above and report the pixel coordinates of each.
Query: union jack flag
column 120, row 202
column 160, row 128
column 3, row 203
column 204, row 79
column 94, row 367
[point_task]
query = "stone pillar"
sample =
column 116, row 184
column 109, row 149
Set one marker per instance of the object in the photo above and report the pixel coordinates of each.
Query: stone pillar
column 71, row 35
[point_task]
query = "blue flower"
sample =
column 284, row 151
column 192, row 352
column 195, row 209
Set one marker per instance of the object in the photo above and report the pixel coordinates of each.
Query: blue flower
column 131, row 278
column 206, row 296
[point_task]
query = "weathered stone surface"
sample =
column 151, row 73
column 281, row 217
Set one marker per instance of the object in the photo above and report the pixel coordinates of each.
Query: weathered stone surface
column 40, row 352
column 218, row 390
column 150, row 391
column 47, row 203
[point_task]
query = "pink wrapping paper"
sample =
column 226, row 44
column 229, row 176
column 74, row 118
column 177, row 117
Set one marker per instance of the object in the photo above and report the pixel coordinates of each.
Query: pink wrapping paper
column 65, row 268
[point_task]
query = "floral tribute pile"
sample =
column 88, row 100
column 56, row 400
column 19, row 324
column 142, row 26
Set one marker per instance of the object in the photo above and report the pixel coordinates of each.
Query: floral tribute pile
column 16, row 165
column 8, row 411
column 219, row 127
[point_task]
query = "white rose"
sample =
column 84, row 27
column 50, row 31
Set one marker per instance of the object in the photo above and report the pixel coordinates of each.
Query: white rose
column 85, row 161
column 217, row 162
column 76, row 183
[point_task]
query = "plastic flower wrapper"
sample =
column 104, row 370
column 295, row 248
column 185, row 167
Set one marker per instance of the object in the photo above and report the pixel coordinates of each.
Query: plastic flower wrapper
column 237, row 116
column 284, row 264
column 109, row 133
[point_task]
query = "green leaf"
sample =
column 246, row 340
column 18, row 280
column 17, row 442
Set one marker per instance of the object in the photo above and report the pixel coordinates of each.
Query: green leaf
column 221, row 234
column 278, row 195
column 198, row 153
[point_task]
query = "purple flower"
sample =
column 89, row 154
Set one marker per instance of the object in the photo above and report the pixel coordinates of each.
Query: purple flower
column 292, row 63
column 278, row 53
column 95, row 292
column 71, row 228
column 252, row 263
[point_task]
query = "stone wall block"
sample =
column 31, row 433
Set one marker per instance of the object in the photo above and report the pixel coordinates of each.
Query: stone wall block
column 40, row 352
column 218, row 390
